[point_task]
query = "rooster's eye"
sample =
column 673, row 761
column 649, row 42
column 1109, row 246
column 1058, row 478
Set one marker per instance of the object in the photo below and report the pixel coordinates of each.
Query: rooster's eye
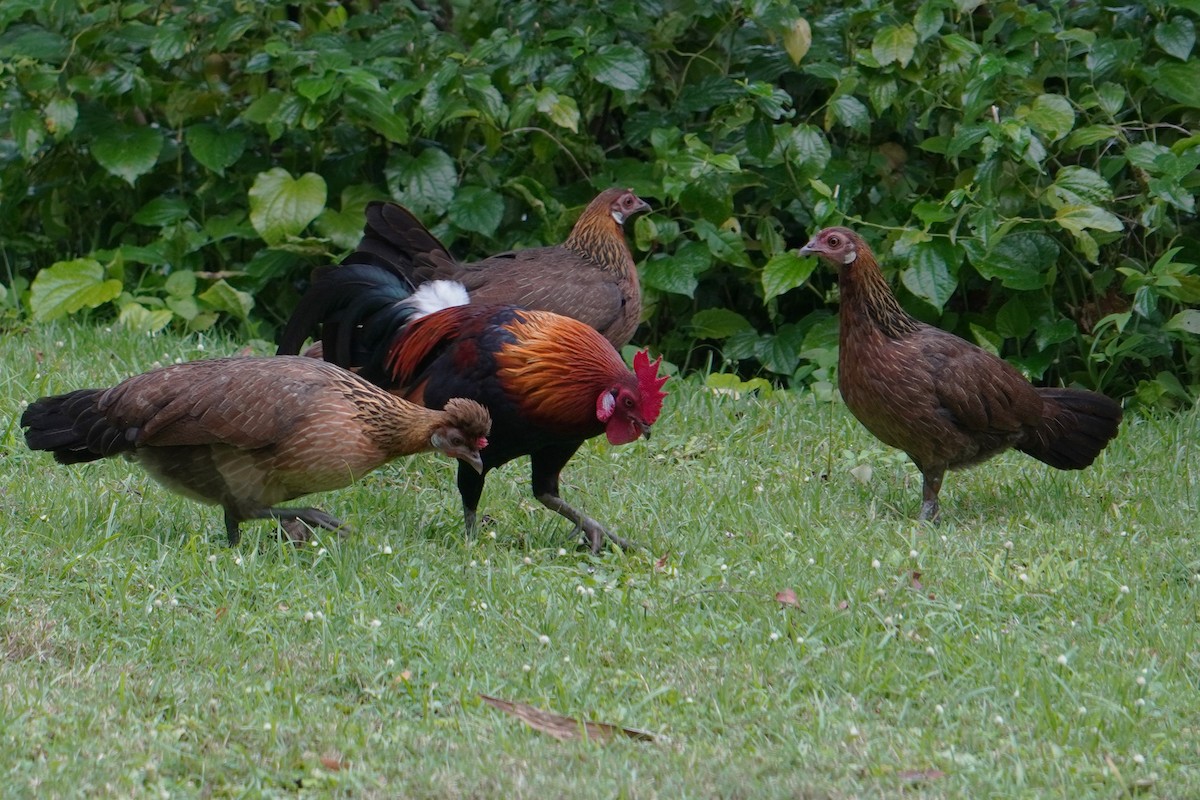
column 629, row 402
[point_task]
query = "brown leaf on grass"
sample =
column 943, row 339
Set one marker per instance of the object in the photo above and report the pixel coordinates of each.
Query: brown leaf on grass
column 787, row 597
column 334, row 763
column 661, row 563
column 564, row 728
column 220, row 612
column 915, row 580
column 920, row 775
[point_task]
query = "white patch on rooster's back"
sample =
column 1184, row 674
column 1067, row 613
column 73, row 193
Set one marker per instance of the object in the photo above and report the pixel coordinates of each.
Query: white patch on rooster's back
column 436, row 295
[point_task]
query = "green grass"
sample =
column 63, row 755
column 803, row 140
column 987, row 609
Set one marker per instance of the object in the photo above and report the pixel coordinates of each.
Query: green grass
column 141, row 655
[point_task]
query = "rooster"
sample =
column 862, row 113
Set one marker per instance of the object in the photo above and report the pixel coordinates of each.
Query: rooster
column 550, row 382
column 945, row 402
column 247, row 433
column 590, row 277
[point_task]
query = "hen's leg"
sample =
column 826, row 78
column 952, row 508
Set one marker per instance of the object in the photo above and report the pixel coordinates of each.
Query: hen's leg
column 546, row 465
column 929, row 493
column 294, row 520
column 470, row 488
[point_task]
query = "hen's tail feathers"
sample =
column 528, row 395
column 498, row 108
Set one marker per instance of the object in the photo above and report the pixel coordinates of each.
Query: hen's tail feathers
column 72, row 428
column 395, row 240
column 1077, row 426
column 360, row 308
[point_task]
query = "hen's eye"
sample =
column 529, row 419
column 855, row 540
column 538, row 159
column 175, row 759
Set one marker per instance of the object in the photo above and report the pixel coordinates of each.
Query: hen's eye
column 834, row 241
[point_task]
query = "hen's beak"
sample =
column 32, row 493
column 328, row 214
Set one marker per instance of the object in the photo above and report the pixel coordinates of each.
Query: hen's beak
column 807, row 250
column 473, row 458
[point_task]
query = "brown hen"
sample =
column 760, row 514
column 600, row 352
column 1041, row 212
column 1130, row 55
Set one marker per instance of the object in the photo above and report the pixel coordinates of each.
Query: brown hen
column 590, row 277
column 248, row 433
column 945, row 402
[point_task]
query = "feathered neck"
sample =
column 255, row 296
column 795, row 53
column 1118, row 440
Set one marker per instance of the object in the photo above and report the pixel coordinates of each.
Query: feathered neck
column 598, row 238
column 867, row 294
column 396, row 426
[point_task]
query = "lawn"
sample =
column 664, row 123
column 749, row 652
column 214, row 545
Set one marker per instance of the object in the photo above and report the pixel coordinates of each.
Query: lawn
column 1040, row 642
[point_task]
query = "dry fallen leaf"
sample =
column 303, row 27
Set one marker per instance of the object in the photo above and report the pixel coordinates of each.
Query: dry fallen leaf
column 661, row 563
column 334, row 764
column 220, row 612
column 920, row 775
column 787, row 597
column 915, row 580
column 563, row 728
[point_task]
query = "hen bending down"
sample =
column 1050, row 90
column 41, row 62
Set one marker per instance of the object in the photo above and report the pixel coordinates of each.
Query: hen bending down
column 248, row 433
column 550, row 382
column 590, row 277
column 945, row 402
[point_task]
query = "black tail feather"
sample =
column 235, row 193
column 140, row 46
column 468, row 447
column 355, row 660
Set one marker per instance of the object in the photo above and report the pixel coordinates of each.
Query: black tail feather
column 397, row 241
column 72, row 427
column 1077, row 427
column 360, row 308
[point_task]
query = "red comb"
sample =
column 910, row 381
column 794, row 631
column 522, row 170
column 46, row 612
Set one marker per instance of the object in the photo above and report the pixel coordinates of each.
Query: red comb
column 649, row 384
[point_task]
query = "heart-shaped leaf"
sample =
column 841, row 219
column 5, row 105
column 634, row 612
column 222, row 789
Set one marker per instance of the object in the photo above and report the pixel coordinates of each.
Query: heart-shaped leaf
column 478, row 209
column 127, row 151
column 784, row 272
column 216, row 148
column 282, row 206
column 67, row 286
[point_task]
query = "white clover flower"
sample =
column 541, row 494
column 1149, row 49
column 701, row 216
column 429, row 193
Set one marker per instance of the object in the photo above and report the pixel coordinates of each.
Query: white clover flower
column 391, row 662
column 774, row 636
column 875, row 563
column 938, row 709
column 999, row 720
column 579, row 590
column 1139, row 759
column 544, row 639
column 1124, row 589
column 238, row 561
column 929, row 651
column 212, row 558
column 322, row 551
column 1008, row 545
column 320, row 615
column 813, row 561
column 1141, row 701
column 387, row 549
column 1023, row 577
column 483, row 606
column 375, row 623
column 527, row 668
column 1141, row 680
column 562, row 551
column 527, row 561
column 913, row 554
column 309, row 616
column 1062, row 660
column 1081, row 710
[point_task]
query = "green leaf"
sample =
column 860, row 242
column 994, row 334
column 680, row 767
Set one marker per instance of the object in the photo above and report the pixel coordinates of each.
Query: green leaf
column 1012, row 320
column 282, row 206
column 718, row 323
column 1090, row 135
column 216, row 148
column 894, row 44
column 1176, row 36
column 345, row 227
column 562, row 110
column 808, row 150
column 181, row 283
column 161, row 211
column 1077, row 218
column 677, row 273
column 67, row 286
column 928, row 20
column 621, row 66
column 784, row 272
column 127, row 151
column 170, row 42
column 223, row 297
column 28, row 132
column 1057, row 332
column 1187, row 320
column 850, row 112
column 1051, row 115
column 930, row 212
column 35, row 43
column 932, row 271
column 136, row 317
column 476, row 208
column 1180, row 82
column 780, row 352
column 1020, row 261
column 61, row 114
column 1080, row 185
column 426, row 184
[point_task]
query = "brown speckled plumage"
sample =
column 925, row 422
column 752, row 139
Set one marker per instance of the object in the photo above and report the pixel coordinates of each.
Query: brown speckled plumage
column 590, row 277
column 945, row 402
column 249, row 433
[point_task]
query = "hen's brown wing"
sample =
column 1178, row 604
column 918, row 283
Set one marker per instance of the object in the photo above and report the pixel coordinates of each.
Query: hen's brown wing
column 242, row 402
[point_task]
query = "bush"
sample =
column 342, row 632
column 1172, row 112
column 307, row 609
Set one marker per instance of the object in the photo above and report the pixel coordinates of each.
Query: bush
column 1027, row 171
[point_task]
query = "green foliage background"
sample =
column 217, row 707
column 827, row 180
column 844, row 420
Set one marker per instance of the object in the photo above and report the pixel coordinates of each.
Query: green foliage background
column 1027, row 171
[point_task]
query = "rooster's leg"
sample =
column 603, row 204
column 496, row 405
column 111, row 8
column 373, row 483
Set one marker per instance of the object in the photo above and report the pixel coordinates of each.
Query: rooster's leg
column 547, row 464
column 929, row 493
column 232, row 527
column 470, row 488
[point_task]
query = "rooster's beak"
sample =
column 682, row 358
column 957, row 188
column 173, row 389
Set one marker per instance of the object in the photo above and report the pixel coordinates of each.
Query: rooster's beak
column 645, row 429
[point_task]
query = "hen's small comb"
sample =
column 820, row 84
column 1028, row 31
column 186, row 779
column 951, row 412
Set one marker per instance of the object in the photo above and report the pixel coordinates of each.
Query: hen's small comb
column 649, row 384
